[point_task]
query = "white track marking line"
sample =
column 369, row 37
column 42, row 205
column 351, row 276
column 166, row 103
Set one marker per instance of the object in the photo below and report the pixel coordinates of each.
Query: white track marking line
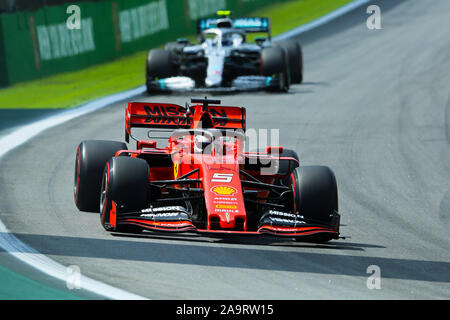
column 26, row 132
column 20, row 250
column 30, row 256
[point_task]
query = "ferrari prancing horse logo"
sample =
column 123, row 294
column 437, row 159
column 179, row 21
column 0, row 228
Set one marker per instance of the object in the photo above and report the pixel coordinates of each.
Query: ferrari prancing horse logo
column 176, row 168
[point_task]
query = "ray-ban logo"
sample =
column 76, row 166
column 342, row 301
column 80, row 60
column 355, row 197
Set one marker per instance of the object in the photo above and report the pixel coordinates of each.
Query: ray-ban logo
column 374, row 20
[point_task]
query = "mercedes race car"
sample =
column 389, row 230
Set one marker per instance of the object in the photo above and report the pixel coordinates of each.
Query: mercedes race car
column 202, row 180
column 224, row 61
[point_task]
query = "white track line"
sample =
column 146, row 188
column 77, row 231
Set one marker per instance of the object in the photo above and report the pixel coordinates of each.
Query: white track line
column 22, row 251
column 30, row 256
column 25, row 133
column 25, row 253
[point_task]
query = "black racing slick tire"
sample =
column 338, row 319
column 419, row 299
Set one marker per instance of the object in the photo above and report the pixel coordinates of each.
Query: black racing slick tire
column 275, row 64
column 172, row 46
column 295, row 55
column 125, row 188
column 176, row 47
column 316, row 196
column 159, row 66
column 285, row 167
column 90, row 161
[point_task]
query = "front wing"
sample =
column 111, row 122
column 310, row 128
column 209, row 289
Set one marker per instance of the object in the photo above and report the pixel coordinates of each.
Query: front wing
column 177, row 219
column 186, row 84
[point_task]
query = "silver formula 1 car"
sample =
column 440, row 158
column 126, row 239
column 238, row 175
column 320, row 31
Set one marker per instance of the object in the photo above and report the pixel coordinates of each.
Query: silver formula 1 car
column 224, row 61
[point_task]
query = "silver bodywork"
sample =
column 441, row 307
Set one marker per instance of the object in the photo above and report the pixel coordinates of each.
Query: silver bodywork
column 218, row 44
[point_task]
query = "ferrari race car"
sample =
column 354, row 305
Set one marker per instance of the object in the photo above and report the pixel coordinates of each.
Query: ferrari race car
column 224, row 61
column 202, row 180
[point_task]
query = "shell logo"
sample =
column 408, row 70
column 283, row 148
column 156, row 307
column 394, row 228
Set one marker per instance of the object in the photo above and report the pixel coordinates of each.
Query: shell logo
column 224, row 190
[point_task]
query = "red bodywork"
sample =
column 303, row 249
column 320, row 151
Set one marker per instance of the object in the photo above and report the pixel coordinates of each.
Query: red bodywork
column 220, row 176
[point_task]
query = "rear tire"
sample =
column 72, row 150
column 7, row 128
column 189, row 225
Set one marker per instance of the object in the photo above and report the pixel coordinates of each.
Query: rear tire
column 284, row 166
column 275, row 63
column 172, row 46
column 176, row 47
column 89, row 164
column 125, row 188
column 285, row 169
column 295, row 60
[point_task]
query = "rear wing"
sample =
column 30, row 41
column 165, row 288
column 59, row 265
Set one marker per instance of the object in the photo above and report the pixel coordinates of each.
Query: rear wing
column 172, row 116
column 246, row 24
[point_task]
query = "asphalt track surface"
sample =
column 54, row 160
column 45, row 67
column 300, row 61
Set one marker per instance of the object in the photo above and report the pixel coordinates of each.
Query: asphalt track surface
column 374, row 107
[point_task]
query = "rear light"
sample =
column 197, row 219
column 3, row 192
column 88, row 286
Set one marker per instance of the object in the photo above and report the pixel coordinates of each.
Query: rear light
column 276, row 150
column 146, row 144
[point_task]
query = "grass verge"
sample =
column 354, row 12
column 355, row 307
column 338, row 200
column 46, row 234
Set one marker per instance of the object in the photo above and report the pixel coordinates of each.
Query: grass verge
column 75, row 88
column 18, row 287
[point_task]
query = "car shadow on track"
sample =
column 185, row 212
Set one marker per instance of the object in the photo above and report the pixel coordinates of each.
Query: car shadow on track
column 297, row 89
column 292, row 258
column 316, row 83
column 262, row 240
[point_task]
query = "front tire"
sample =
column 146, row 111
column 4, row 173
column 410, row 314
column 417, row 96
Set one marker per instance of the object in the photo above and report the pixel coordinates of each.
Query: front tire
column 316, row 198
column 275, row 64
column 159, row 66
column 125, row 188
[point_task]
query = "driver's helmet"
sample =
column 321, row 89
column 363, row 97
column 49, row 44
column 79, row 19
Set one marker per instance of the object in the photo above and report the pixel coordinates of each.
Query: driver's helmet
column 212, row 41
column 232, row 39
column 201, row 143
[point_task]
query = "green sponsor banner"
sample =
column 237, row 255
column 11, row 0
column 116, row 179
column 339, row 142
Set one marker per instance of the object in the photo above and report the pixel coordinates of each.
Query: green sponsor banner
column 69, row 37
column 3, row 69
column 145, row 24
column 37, row 44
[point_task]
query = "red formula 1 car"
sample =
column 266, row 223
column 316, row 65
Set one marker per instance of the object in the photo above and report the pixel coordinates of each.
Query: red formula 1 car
column 202, row 180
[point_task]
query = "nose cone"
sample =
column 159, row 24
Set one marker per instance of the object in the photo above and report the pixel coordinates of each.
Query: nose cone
column 215, row 69
column 223, row 195
column 213, row 81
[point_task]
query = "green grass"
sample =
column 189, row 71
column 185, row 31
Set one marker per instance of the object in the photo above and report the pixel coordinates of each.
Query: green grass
column 288, row 15
column 74, row 88
column 15, row 286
